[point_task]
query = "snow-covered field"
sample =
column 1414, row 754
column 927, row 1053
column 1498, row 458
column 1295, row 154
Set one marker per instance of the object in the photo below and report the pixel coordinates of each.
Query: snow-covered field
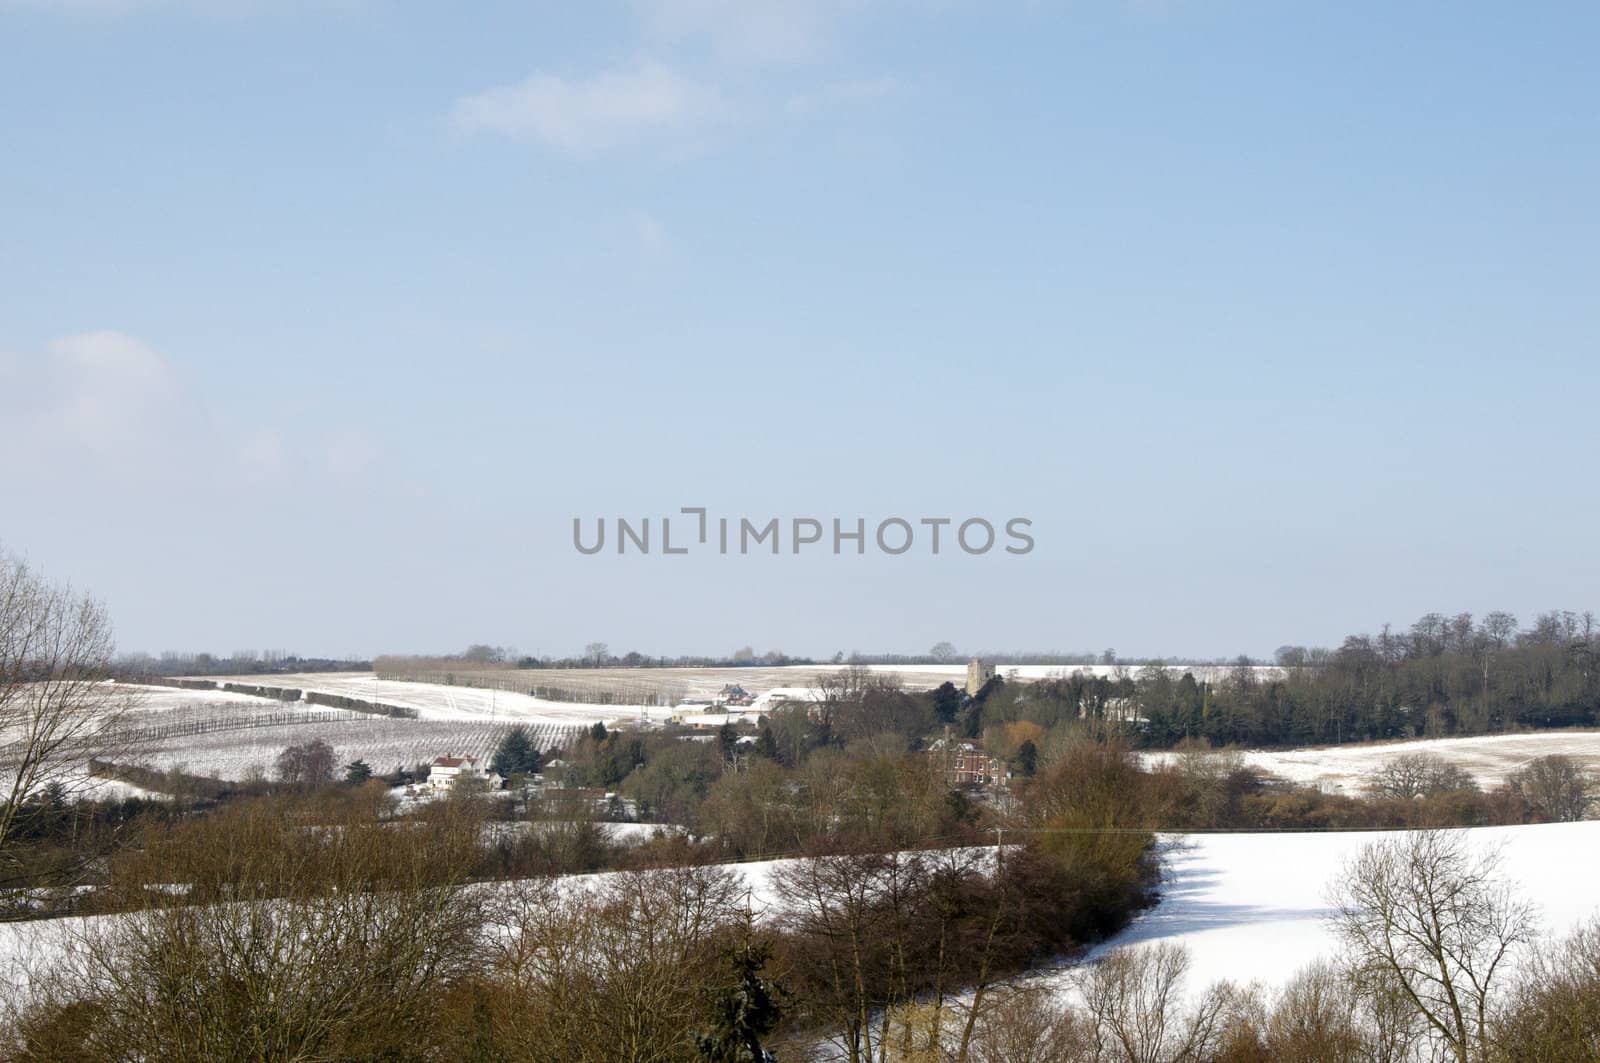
column 670, row 685
column 931, row 675
column 153, row 699
column 1248, row 907
column 1489, row 758
column 231, row 736
column 436, row 701
column 1251, row 907
column 383, row 743
column 458, row 719
column 80, row 785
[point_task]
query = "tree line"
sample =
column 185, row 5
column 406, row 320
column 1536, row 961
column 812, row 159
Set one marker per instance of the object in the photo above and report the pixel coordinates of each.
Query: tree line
column 1443, row 676
column 295, row 927
column 317, row 924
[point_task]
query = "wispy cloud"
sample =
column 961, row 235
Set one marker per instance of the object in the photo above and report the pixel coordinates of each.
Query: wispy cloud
column 108, row 408
column 102, row 393
column 585, row 116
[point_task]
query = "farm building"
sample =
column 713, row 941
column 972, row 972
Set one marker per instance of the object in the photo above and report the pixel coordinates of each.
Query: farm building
column 713, row 718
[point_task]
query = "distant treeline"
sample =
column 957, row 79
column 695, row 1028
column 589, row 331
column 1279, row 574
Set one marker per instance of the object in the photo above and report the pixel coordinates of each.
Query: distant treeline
column 499, row 658
column 1443, row 676
column 1015, row 658
column 480, row 658
column 242, row 662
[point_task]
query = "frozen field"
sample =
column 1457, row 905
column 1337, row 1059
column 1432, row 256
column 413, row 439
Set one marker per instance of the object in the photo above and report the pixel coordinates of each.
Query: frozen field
column 383, row 743
column 659, row 686
column 152, row 699
column 436, row 701
column 1490, row 758
column 1251, row 907
column 83, row 786
column 231, row 736
column 1248, row 907
column 931, row 675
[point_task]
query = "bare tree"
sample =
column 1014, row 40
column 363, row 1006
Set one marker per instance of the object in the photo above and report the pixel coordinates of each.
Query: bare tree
column 1023, row 1025
column 56, row 707
column 1555, row 1012
column 1320, row 1016
column 614, row 970
column 307, row 764
column 1134, row 997
column 1416, row 775
column 1426, row 916
column 833, row 901
column 839, row 693
column 1556, row 787
column 333, row 944
column 482, row 653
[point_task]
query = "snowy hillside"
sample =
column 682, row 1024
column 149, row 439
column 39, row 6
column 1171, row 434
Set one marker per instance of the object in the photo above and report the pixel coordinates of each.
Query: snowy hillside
column 1489, row 758
column 1250, row 907
column 436, row 701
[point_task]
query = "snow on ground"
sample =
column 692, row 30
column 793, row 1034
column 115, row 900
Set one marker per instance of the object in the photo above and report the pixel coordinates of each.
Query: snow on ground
column 164, row 699
column 621, row 833
column 439, row 701
column 82, row 786
column 1249, row 907
column 668, row 686
column 436, row 701
column 1489, row 758
column 29, row 947
column 384, row 743
column 767, row 700
column 931, row 675
column 1252, row 907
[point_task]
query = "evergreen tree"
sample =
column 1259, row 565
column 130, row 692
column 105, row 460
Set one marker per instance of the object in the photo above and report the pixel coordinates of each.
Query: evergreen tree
column 742, row 1011
column 766, row 745
column 357, row 772
column 947, row 701
column 515, row 755
column 1027, row 759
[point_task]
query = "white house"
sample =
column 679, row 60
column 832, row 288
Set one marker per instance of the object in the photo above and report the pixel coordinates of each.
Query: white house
column 713, row 719
column 445, row 772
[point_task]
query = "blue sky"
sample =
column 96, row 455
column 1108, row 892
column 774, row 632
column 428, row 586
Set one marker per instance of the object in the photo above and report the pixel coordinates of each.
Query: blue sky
column 319, row 322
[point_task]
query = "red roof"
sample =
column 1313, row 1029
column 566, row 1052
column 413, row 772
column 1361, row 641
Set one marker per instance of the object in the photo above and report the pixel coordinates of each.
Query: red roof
column 453, row 762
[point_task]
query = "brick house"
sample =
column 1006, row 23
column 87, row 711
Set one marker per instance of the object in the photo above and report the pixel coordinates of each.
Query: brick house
column 964, row 764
